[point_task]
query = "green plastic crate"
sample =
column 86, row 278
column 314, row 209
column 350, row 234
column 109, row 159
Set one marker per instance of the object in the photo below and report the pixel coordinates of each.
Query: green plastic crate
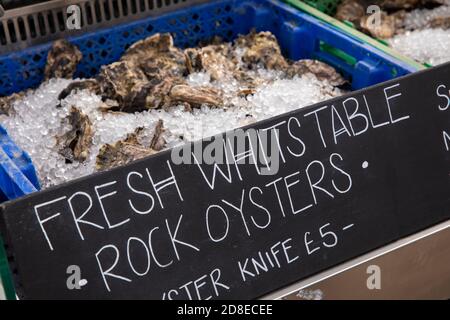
column 5, row 276
column 326, row 6
column 325, row 10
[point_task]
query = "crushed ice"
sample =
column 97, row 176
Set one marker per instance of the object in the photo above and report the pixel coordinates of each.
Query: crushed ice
column 37, row 121
column 423, row 44
column 430, row 46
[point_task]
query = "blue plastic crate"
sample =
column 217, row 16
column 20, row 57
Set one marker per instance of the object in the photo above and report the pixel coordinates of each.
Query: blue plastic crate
column 300, row 36
column 17, row 174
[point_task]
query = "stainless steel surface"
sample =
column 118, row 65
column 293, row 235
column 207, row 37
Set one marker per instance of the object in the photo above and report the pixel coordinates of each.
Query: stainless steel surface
column 416, row 267
column 43, row 22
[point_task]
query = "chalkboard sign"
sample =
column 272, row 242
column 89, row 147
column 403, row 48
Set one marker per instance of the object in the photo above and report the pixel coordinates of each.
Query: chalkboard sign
column 247, row 212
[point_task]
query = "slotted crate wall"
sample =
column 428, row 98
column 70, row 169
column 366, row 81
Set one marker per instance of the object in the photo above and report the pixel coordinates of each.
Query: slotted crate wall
column 45, row 21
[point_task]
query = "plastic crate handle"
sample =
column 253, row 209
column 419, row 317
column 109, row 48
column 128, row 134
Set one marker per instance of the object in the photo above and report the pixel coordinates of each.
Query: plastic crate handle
column 21, row 186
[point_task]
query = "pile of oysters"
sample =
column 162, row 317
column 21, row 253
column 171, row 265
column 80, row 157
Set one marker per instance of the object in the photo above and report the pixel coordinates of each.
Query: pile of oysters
column 152, row 74
column 390, row 19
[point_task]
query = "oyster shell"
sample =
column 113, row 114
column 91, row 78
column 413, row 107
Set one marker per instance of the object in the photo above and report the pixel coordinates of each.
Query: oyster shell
column 6, row 103
column 321, row 70
column 350, row 10
column 383, row 30
column 121, row 153
column 216, row 59
column 393, row 5
column 88, row 84
column 129, row 149
column 157, row 142
column 62, row 60
column 75, row 144
column 261, row 49
column 196, row 96
column 392, row 15
column 125, row 83
column 157, row 56
column 440, row 22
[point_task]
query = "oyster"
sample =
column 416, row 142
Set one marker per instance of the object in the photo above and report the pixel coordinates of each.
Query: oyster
column 383, row 30
column 322, row 71
column 392, row 15
column 125, row 83
column 261, row 49
column 88, row 84
column 129, row 149
column 196, row 96
column 6, row 103
column 121, row 153
column 440, row 22
column 160, row 96
column 75, row 143
column 355, row 12
column 216, row 59
column 157, row 142
column 390, row 6
column 223, row 63
column 393, row 5
column 350, row 10
column 156, row 56
column 62, row 60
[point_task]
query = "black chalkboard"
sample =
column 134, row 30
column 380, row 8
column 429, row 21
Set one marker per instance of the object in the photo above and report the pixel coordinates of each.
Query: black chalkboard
column 354, row 173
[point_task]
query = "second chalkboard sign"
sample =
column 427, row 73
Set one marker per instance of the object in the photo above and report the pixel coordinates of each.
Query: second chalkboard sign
column 247, row 212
